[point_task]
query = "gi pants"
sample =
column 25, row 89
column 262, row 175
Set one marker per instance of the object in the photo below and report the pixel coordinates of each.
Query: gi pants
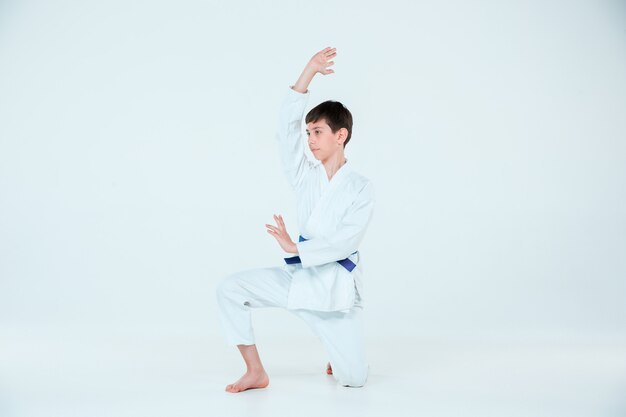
column 341, row 333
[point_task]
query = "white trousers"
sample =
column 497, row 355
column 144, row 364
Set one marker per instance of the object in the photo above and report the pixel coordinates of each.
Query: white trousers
column 341, row 333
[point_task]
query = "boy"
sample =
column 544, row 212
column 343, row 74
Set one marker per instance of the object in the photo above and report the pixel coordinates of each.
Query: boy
column 321, row 283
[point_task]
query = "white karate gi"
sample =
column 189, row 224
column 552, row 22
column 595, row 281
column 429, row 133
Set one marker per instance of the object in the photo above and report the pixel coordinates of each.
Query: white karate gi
column 333, row 215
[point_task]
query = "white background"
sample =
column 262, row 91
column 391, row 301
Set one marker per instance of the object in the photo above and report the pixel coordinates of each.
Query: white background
column 138, row 165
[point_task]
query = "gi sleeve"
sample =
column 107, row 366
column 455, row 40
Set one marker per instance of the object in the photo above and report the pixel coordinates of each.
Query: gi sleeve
column 290, row 137
column 346, row 238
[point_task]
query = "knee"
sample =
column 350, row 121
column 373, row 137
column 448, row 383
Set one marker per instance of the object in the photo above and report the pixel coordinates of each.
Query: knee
column 227, row 285
column 356, row 377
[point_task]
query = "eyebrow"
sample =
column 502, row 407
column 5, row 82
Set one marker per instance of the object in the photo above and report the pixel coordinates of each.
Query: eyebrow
column 315, row 127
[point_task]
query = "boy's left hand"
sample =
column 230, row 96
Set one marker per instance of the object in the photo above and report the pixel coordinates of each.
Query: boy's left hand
column 281, row 235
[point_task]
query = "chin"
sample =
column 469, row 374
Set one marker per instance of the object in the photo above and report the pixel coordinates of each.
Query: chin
column 319, row 155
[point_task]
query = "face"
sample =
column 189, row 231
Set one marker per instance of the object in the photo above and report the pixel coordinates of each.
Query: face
column 323, row 142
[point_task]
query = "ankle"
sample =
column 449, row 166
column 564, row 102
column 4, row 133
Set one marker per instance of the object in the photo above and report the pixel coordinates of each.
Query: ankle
column 255, row 370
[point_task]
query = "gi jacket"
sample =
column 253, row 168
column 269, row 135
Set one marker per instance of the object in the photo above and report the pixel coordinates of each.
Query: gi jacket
column 333, row 215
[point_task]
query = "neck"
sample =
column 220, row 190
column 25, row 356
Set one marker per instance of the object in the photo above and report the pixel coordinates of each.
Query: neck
column 333, row 163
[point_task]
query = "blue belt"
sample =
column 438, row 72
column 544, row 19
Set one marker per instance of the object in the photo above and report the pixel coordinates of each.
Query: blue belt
column 346, row 263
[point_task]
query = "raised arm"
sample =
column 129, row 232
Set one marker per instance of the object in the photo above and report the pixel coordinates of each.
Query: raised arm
column 318, row 63
column 290, row 137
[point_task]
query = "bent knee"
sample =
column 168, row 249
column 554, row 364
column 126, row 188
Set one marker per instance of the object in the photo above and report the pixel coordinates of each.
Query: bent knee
column 227, row 285
column 356, row 378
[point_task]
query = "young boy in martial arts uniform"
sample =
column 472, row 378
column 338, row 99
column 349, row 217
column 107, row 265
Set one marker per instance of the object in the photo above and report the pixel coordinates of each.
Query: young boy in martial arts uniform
column 321, row 282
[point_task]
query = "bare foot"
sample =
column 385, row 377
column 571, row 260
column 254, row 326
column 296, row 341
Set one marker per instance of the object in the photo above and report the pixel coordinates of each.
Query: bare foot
column 249, row 380
column 329, row 369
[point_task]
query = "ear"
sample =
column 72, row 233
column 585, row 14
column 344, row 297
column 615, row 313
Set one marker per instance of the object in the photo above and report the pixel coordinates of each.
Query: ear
column 342, row 135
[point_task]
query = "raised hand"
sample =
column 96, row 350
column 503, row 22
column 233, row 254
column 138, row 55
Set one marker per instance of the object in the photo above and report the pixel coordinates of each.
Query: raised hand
column 322, row 60
column 280, row 233
column 318, row 63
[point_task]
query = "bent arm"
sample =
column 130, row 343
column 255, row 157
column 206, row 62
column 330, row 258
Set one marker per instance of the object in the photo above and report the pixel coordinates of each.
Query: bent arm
column 347, row 237
column 290, row 136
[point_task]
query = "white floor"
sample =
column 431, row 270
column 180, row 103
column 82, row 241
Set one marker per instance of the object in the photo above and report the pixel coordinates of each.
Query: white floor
column 61, row 372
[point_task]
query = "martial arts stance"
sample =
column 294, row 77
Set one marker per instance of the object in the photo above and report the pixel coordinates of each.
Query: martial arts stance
column 321, row 282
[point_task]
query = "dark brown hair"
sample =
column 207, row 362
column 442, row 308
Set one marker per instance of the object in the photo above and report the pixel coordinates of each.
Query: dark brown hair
column 335, row 114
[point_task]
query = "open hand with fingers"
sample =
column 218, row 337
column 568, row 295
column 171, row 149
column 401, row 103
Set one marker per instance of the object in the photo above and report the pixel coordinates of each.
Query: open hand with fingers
column 318, row 63
column 280, row 233
column 322, row 60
